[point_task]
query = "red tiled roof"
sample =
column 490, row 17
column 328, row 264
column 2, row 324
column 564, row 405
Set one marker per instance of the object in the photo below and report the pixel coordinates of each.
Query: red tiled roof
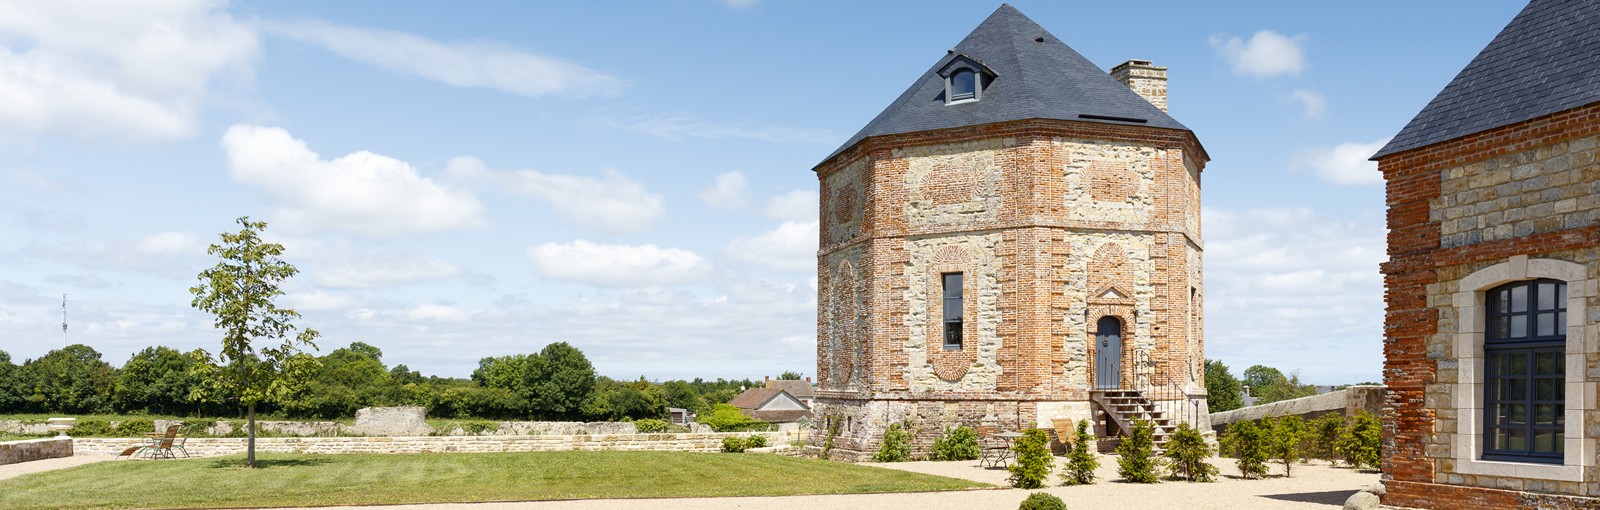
column 754, row 397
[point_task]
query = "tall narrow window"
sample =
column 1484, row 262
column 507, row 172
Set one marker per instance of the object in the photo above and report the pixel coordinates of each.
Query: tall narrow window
column 952, row 311
column 1524, row 352
column 963, row 85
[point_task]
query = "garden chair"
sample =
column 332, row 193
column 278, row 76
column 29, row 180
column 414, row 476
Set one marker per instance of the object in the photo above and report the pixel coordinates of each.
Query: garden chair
column 994, row 452
column 162, row 448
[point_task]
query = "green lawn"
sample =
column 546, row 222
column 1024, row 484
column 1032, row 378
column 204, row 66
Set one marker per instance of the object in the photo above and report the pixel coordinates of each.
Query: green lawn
column 320, row 480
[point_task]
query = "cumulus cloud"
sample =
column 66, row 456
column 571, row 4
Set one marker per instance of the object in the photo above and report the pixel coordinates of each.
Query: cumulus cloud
column 612, row 202
column 1296, row 289
column 1266, row 54
column 164, row 253
column 679, row 127
column 727, row 192
column 1312, row 105
column 792, row 246
column 463, row 64
column 800, row 204
column 364, row 193
column 437, row 313
column 1345, row 164
column 618, row 266
column 115, row 70
column 378, row 268
column 319, row 300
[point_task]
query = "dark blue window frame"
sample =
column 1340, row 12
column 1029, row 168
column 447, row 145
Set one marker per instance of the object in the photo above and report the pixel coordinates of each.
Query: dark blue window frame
column 953, row 312
column 1524, row 349
column 963, row 85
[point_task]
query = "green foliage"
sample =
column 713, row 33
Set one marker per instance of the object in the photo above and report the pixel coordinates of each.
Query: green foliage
column 1081, row 461
column 197, row 426
column 790, row 376
column 1245, row 441
column 1361, row 443
column 834, row 424
column 70, row 380
column 1136, row 459
column 156, row 380
column 239, row 292
column 1269, row 384
column 91, row 428
column 1222, row 389
column 135, row 427
column 1325, row 436
column 479, row 427
column 681, row 395
column 1042, row 501
column 896, row 445
column 1286, row 441
column 1186, row 454
column 740, row 444
column 652, row 426
column 1033, row 460
column 726, row 418
column 612, row 400
column 959, row 443
column 554, row 384
column 11, row 396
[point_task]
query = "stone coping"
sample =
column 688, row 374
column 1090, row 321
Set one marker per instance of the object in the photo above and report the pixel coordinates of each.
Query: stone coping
column 12, row 452
column 207, row 447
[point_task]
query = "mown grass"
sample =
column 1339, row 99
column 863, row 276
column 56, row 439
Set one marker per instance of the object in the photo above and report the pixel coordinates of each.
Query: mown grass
column 11, row 437
column 358, row 479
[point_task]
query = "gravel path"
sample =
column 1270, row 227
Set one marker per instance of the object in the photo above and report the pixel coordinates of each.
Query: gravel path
column 23, row 468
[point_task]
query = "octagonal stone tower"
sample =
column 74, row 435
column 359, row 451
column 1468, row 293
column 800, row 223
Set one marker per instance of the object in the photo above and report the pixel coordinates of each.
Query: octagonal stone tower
column 1015, row 240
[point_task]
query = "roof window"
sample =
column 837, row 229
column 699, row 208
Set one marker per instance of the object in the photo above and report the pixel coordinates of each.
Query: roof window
column 964, row 79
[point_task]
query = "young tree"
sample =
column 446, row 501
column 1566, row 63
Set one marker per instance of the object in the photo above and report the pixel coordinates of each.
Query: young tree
column 1325, row 436
column 1286, row 438
column 1136, row 460
column 1361, row 442
column 1222, row 389
column 1033, row 460
column 260, row 344
column 1081, row 462
column 1187, row 452
column 1245, row 440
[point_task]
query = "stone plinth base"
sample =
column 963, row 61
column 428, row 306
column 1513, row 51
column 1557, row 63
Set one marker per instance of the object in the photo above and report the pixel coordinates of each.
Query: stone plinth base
column 1442, row 496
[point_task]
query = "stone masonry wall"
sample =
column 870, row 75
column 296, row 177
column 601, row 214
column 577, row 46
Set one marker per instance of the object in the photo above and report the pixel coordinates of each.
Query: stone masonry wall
column 1022, row 209
column 1513, row 199
column 206, row 447
column 12, row 452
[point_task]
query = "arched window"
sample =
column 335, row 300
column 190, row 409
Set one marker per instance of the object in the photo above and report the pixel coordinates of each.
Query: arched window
column 1524, row 348
column 963, row 85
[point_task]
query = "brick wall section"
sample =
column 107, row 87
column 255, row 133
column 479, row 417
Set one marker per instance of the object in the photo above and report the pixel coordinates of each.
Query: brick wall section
column 1531, row 188
column 12, row 452
column 1021, row 209
column 206, row 447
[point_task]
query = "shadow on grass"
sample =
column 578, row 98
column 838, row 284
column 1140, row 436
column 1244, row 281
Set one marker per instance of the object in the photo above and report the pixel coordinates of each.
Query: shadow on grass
column 1335, row 498
column 268, row 463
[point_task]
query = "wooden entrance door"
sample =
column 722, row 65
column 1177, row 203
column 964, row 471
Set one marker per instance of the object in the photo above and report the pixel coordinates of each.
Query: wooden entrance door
column 1108, row 354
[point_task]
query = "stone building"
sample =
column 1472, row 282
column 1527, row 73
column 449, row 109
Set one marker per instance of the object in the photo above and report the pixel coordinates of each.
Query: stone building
column 1014, row 240
column 1492, row 336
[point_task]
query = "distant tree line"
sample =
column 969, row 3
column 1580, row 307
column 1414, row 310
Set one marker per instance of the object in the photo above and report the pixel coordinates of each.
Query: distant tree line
column 1224, row 392
column 557, row 383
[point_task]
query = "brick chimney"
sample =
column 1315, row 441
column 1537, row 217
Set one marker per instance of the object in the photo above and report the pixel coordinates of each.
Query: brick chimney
column 1145, row 79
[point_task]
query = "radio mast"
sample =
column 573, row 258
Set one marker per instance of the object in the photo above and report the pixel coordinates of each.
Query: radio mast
column 63, row 321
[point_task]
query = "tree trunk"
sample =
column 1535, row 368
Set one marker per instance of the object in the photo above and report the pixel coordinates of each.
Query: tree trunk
column 250, row 442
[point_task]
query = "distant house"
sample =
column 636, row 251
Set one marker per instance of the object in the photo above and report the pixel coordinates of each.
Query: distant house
column 774, row 405
column 801, row 390
column 1493, row 323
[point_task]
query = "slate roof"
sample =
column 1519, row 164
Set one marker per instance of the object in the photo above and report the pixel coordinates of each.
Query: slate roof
column 799, row 389
column 754, row 398
column 1545, row 61
column 778, row 416
column 1035, row 79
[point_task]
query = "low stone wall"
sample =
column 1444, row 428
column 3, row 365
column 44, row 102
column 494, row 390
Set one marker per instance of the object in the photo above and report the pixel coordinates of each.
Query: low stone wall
column 329, row 428
column 12, row 452
column 205, row 447
column 1348, row 401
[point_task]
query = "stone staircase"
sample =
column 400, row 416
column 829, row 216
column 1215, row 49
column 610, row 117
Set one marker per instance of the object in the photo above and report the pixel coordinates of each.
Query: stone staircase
column 1119, row 409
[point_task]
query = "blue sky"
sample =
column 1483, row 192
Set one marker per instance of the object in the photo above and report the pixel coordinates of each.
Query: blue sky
column 485, row 178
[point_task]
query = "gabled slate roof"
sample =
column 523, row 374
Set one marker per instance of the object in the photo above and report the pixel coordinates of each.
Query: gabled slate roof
column 1037, row 77
column 1545, row 61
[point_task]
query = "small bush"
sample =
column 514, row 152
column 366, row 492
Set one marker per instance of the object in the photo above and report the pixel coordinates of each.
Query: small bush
column 135, row 427
column 896, row 444
column 1042, row 501
column 1361, row 443
column 960, row 443
column 1286, row 437
column 740, row 444
column 727, row 418
column 1325, row 437
column 1033, row 460
column 1136, row 459
column 90, row 428
column 1187, row 452
column 1244, row 441
column 652, row 426
column 834, row 423
column 198, row 426
column 1081, row 462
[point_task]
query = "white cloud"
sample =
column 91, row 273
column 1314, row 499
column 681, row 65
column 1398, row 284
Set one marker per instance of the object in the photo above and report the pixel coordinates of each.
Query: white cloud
column 1267, row 54
column 172, row 254
column 319, row 300
column 619, row 266
column 1345, row 164
column 679, row 127
column 1312, row 105
column 437, row 313
column 375, row 269
column 792, row 246
column 1295, row 289
column 362, row 192
column 728, row 192
column 170, row 243
column 463, row 64
column 612, row 203
column 115, row 70
column 800, row 204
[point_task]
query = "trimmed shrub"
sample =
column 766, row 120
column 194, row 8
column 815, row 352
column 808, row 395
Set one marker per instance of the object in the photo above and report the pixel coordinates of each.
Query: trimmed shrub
column 740, row 444
column 135, row 427
column 1361, row 442
column 959, row 443
column 1286, row 438
column 726, row 418
column 1244, row 441
column 1136, row 456
column 1325, row 437
column 896, row 445
column 1187, row 452
column 91, row 428
column 1081, row 461
column 1033, row 460
column 1042, row 501
column 652, row 426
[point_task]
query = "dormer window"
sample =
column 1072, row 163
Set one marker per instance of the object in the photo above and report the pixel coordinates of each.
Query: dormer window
column 964, row 79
